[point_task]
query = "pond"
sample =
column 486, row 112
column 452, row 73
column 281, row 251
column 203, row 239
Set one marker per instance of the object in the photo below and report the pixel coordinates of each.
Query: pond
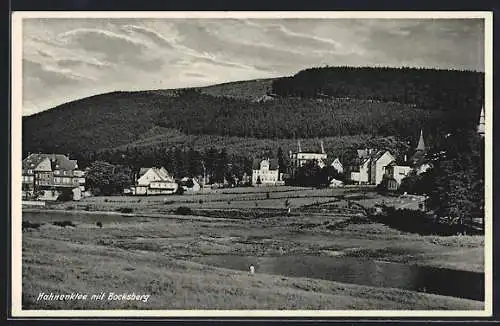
column 448, row 282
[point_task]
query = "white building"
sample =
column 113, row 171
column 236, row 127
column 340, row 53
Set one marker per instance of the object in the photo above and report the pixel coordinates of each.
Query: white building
column 190, row 184
column 154, row 181
column 379, row 162
column 370, row 166
column 300, row 158
column 337, row 165
column 398, row 172
column 334, row 183
column 360, row 173
column 266, row 172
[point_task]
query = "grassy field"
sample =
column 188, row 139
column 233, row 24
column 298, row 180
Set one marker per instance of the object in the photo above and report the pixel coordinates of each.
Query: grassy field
column 235, row 198
column 156, row 255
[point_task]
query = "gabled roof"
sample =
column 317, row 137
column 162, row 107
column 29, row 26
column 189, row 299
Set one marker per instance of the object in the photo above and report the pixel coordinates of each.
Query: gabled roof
column 273, row 164
column 59, row 161
column 336, row 160
column 378, row 154
column 32, row 161
column 160, row 172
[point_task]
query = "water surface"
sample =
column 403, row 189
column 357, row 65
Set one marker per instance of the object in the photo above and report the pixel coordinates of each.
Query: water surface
column 360, row 271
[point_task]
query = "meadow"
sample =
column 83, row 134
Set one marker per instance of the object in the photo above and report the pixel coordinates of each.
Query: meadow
column 155, row 251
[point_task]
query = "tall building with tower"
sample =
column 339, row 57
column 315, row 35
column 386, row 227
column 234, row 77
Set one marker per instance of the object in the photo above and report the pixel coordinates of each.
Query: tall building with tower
column 480, row 126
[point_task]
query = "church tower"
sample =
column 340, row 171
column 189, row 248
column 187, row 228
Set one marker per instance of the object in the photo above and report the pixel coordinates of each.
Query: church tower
column 419, row 154
column 421, row 144
column 480, row 126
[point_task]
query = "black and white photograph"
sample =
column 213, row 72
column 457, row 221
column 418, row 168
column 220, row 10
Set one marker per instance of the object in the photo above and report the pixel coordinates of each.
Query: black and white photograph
column 252, row 164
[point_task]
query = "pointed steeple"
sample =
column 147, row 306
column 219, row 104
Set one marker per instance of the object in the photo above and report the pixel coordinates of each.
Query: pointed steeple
column 421, row 144
column 298, row 145
column 480, row 126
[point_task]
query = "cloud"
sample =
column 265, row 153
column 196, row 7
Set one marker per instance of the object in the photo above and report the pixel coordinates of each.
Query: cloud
column 50, row 75
column 153, row 35
column 114, row 46
column 67, row 58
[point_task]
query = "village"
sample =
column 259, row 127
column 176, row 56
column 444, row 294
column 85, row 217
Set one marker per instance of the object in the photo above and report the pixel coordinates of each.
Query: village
column 46, row 177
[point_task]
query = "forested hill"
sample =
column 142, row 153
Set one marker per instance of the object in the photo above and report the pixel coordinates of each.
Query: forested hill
column 320, row 102
column 450, row 90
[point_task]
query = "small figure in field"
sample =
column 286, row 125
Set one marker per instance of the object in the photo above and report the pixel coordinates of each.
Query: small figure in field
column 99, row 224
column 252, row 269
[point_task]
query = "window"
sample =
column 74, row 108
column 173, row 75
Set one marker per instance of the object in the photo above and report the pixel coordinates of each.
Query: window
column 30, row 171
column 56, row 172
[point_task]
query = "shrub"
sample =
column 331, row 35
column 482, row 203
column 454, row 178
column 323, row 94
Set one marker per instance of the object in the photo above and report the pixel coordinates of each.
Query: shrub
column 64, row 223
column 99, row 224
column 66, row 195
column 87, row 208
column 125, row 210
column 70, row 208
column 106, row 200
column 200, row 201
column 183, row 210
column 29, row 225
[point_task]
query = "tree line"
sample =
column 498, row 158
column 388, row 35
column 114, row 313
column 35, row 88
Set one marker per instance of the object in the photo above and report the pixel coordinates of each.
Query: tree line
column 448, row 90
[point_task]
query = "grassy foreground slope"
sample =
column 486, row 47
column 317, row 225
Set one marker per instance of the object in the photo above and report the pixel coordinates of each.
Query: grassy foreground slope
column 51, row 265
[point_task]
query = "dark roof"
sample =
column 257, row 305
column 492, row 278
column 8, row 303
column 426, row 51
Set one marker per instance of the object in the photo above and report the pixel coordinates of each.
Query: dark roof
column 418, row 158
column 363, row 153
column 273, row 164
column 59, row 161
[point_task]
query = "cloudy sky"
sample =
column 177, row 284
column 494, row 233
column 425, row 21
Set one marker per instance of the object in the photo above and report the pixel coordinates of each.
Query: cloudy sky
column 66, row 59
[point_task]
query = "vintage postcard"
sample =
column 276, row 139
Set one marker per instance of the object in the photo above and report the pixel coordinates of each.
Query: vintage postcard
column 263, row 164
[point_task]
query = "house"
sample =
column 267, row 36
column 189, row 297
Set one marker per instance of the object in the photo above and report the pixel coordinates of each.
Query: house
column 300, row 158
column 48, row 176
column 190, row 184
column 378, row 163
column 337, row 166
column 266, row 172
column 334, row 183
column 395, row 174
column 369, row 167
column 154, row 181
column 360, row 171
column 245, row 179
